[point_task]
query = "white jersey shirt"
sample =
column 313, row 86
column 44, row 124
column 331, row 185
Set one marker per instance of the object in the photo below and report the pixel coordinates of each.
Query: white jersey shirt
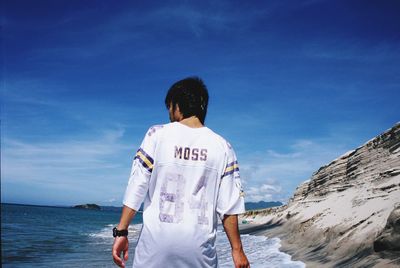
column 186, row 178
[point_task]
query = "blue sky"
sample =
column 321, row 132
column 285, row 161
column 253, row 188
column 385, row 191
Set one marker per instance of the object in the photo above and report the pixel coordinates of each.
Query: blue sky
column 293, row 85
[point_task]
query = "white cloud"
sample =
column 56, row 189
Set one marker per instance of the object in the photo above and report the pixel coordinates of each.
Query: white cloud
column 111, row 200
column 351, row 50
column 263, row 193
column 215, row 17
column 274, row 176
column 63, row 162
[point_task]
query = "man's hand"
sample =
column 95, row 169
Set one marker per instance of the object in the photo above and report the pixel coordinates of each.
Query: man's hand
column 121, row 244
column 240, row 259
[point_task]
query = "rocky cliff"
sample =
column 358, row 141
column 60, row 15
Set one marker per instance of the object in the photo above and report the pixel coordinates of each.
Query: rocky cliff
column 340, row 213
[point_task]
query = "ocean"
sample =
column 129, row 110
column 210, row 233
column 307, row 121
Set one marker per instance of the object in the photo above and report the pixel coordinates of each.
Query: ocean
column 39, row 236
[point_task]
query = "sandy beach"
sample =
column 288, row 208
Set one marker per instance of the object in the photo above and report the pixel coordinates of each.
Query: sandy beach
column 316, row 250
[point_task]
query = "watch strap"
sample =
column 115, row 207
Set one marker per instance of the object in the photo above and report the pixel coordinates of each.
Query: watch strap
column 117, row 232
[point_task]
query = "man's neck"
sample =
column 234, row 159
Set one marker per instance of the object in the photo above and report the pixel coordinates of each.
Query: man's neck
column 192, row 122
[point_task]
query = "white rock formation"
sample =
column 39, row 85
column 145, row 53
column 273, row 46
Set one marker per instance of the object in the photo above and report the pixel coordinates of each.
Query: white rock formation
column 345, row 202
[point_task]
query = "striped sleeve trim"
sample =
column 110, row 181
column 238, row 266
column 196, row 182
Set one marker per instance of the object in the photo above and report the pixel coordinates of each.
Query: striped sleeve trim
column 231, row 168
column 146, row 161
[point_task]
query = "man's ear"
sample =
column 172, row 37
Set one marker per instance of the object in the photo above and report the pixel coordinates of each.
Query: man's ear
column 176, row 108
column 177, row 113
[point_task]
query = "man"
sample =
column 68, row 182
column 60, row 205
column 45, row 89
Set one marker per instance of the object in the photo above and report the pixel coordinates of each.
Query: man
column 187, row 176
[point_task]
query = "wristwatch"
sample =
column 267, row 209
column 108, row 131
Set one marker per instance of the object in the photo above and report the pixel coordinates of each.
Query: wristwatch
column 117, row 232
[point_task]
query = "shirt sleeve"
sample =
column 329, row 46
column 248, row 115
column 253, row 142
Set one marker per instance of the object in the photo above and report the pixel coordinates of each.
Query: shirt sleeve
column 230, row 196
column 142, row 168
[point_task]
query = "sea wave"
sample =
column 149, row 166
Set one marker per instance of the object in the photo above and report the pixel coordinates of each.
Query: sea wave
column 260, row 250
column 106, row 232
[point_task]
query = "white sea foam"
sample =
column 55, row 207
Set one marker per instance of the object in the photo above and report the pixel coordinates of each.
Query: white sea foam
column 260, row 250
column 106, row 232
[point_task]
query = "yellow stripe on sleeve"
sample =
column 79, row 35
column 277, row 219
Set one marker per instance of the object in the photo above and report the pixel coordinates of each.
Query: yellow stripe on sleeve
column 145, row 159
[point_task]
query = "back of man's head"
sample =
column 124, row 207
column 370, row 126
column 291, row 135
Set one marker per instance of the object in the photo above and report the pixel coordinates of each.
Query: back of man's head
column 191, row 95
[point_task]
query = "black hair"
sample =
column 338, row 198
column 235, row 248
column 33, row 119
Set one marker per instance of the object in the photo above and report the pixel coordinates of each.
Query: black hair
column 191, row 95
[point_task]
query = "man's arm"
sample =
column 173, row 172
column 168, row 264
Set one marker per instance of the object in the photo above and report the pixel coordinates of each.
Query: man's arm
column 121, row 243
column 230, row 223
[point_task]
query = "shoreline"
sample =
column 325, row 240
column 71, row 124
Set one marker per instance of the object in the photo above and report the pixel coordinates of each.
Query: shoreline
column 346, row 214
column 316, row 250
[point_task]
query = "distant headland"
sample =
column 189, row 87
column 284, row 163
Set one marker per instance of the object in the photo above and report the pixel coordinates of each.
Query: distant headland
column 88, row 206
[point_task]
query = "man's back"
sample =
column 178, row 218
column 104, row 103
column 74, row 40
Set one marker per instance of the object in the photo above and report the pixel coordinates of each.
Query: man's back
column 180, row 218
column 186, row 175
